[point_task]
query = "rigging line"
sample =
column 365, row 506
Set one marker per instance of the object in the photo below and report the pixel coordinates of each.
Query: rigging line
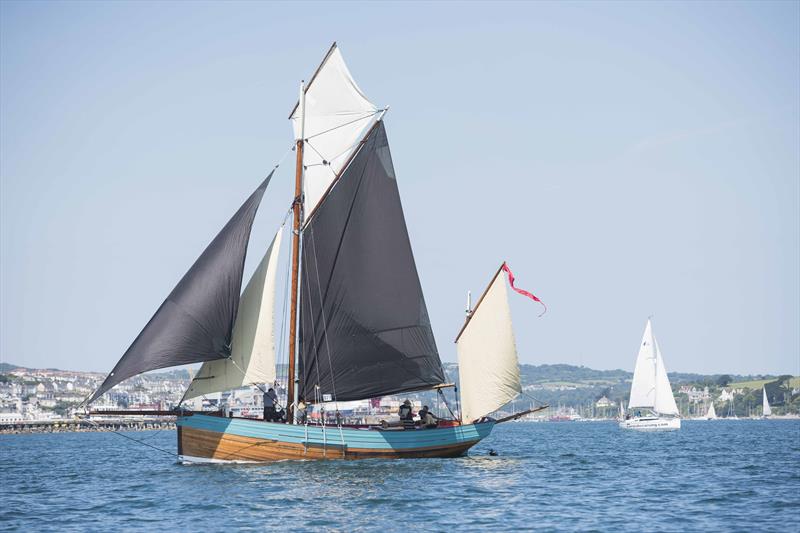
column 532, row 397
column 314, row 334
column 284, row 319
column 446, row 404
column 233, row 361
column 370, row 114
column 117, row 432
column 287, row 152
column 324, row 321
column 347, row 150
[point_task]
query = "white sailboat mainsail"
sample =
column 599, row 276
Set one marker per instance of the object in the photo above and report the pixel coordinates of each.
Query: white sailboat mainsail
column 337, row 115
column 650, row 388
column 643, row 386
column 253, row 346
column 488, row 367
column 712, row 413
column 767, row 410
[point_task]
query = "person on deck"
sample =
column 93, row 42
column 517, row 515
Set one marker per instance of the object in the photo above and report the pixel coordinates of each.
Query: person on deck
column 407, row 415
column 426, row 418
column 270, row 399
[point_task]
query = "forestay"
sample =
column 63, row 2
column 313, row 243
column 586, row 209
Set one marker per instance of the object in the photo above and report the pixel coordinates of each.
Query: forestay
column 195, row 322
column 488, row 366
column 253, row 349
column 337, row 116
column 364, row 326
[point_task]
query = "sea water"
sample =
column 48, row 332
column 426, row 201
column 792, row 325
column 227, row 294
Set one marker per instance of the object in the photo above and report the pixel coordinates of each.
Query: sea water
column 714, row 476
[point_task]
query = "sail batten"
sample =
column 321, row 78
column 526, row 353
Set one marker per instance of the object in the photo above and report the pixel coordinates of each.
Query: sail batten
column 365, row 330
column 488, row 365
column 195, row 323
column 253, row 349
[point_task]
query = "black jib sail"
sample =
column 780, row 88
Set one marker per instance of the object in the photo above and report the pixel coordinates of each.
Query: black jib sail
column 195, row 322
column 364, row 326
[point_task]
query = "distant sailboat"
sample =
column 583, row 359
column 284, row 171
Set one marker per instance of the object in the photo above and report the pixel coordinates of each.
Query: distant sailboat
column 712, row 413
column 650, row 390
column 767, row 409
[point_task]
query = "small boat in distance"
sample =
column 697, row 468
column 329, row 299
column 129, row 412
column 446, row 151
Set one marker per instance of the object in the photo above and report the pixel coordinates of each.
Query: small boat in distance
column 767, row 410
column 651, row 405
column 712, row 413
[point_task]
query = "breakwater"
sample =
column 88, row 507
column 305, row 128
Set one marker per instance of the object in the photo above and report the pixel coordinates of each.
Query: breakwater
column 85, row 425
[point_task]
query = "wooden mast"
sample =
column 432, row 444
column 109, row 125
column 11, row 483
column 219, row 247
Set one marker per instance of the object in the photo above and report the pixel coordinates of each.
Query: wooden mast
column 297, row 208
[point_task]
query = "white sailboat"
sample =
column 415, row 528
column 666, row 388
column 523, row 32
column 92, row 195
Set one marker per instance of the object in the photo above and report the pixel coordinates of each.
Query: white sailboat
column 712, row 413
column 767, row 410
column 651, row 401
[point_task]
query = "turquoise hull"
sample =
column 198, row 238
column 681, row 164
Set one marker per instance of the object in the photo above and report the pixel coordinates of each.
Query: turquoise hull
column 212, row 438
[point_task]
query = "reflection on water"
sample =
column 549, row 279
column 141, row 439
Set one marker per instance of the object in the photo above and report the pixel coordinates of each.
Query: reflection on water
column 743, row 475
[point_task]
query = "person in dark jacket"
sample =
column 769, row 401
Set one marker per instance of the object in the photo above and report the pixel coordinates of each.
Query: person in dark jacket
column 270, row 399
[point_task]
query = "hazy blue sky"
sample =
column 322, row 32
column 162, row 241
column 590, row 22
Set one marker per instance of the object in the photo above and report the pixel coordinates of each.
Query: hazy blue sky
column 627, row 159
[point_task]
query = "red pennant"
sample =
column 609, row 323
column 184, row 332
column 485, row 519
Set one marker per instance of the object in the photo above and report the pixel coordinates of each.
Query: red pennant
column 521, row 291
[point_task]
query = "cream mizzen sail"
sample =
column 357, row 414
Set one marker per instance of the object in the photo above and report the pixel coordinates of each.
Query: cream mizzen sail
column 650, row 387
column 767, row 410
column 337, row 115
column 253, row 347
column 488, row 367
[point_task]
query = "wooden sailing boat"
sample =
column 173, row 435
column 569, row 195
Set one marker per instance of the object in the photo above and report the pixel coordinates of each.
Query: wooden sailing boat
column 358, row 324
column 651, row 398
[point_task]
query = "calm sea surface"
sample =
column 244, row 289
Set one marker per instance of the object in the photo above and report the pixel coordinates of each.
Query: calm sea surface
column 722, row 475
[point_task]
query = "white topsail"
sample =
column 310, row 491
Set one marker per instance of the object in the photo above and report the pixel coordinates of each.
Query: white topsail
column 488, row 367
column 767, row 410
column 253, row 347
column 650, row 387
column 337, row 116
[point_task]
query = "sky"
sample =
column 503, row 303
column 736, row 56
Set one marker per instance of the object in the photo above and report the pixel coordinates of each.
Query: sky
column 626, row 159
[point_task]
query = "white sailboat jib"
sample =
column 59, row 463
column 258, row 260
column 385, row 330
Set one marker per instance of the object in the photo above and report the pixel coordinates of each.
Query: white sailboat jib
column 488, row 366
column 664, row 400
column 253, row 347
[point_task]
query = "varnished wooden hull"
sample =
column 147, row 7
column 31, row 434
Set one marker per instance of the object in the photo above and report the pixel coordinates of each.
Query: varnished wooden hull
column 212, row 439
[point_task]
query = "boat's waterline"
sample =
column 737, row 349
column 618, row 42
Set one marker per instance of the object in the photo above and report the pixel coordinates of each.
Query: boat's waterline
column 651, row 424
column 217, row 439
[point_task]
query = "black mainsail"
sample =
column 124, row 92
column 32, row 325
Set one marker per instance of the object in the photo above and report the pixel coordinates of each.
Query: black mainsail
column 364, row 326
column 195, row 322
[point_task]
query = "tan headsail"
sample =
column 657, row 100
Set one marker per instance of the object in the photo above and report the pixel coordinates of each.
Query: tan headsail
column 253, row 347
column 488, row 366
